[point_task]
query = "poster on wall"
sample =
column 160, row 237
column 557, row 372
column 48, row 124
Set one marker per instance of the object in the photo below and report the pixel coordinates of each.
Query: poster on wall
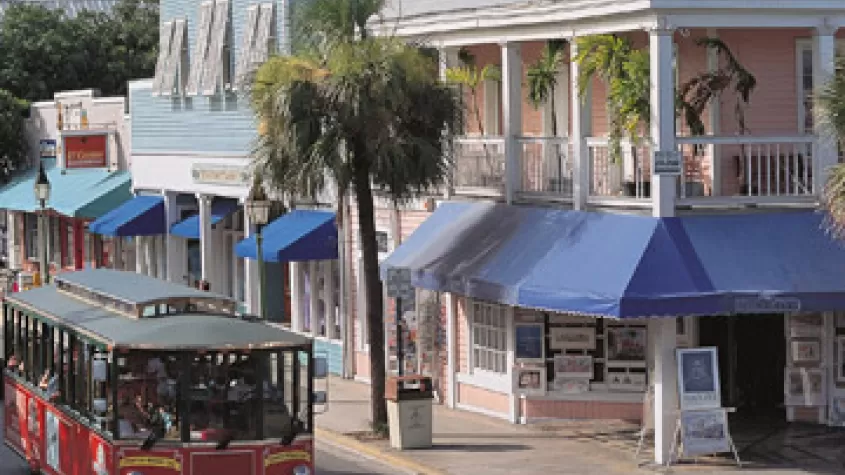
column 806, row 351
column 573, row 367
column 571, row 386
column 626, row 344
column 803, row 326
column 698, row 378
column 572, row 338
column 704, row 432
column 52, row 440
column 625, row 381
column 804, row 387
column 529, row 380
column 530, row 342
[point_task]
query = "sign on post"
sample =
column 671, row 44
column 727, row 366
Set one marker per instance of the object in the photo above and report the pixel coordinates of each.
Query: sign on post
column 399, row 283
column 666, row 162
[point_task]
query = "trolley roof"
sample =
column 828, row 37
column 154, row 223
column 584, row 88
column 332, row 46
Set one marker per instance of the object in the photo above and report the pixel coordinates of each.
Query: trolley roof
column 116, row 328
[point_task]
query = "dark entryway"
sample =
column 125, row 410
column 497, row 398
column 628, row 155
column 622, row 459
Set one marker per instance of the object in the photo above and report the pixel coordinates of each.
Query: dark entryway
column 752, row 356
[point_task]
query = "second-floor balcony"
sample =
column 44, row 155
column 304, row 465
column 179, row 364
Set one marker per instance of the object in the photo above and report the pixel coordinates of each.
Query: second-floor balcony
column 718, row 171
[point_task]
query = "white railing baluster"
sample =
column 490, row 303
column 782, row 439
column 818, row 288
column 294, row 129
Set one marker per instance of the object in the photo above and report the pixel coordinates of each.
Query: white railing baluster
column 777, row 170
column 768, row 169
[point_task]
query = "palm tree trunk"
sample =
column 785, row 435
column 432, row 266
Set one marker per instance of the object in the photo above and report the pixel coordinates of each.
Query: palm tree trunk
column 375, row 305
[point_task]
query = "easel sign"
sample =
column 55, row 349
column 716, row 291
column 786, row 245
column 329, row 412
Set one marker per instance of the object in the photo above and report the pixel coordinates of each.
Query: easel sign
column 705, row 432
column 698, row 378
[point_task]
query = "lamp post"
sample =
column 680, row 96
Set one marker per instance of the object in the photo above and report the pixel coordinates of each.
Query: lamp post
column 42, row 195
column 258, row 209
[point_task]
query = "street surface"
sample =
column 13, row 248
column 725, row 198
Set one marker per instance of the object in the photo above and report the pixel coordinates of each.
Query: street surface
column 331, row 460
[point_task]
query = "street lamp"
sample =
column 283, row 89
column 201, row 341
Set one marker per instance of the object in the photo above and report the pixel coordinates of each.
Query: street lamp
column 42, row 194
column 258, row 209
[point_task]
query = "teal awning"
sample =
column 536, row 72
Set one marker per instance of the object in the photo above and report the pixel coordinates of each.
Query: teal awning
column 76, row 192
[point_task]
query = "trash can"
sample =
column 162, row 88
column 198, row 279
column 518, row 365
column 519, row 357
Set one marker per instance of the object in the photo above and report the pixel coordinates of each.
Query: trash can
column 409, row 411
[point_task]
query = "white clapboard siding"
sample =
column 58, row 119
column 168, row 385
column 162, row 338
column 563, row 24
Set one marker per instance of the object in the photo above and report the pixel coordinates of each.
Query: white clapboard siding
column 174, row 59
column 212, row 77
column 243, row 68
column 163, row 53
column 260, row 53
column 198, row 58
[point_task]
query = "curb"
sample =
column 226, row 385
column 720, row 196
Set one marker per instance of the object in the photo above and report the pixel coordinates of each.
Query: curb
column 384, row 456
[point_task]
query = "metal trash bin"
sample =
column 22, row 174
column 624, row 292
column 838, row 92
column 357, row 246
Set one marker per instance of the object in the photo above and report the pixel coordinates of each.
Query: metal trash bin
column 409, row 411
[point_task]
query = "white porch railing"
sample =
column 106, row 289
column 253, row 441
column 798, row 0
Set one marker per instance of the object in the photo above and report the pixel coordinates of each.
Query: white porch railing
column 628, row 176
column 546, row 164
column 479, row 162
column 747, row 166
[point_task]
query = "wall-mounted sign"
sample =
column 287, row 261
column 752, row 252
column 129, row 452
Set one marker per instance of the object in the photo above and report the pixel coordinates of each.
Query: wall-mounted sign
column 47, row 148
column 85, row 151
column 667, row 162
column 766, row 304
column 231, row 175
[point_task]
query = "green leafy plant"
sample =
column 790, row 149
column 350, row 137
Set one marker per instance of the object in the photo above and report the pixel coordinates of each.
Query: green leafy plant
column 468, row 75
column 542, row 79
column 831, row 114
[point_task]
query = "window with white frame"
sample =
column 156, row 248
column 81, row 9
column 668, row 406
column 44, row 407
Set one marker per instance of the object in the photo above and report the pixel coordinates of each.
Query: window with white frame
column 489, row 337
column 804, row 80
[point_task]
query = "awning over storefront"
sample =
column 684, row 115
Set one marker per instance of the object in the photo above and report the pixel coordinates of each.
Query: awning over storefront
column 301, row 235
column 140, row 216
column 76, row 192
column 627, row 266
column 189, row 227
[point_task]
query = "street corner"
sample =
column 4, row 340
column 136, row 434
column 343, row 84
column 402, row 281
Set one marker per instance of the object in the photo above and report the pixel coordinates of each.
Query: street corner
column 384, row 455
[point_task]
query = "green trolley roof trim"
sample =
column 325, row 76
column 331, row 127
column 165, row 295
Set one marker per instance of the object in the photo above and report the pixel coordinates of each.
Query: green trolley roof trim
column 119, row 329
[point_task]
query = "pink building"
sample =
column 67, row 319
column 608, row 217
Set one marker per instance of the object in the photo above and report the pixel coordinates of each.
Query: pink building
column 730, row 233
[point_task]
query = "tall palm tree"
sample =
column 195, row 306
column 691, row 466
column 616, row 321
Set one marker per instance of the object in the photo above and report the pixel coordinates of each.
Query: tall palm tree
column 832, row 114
column 366, row 113
column 542, row 79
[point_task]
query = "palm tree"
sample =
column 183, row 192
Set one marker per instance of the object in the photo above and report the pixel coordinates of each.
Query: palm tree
column 367, row 114
column 831, row 112
column 542, row 87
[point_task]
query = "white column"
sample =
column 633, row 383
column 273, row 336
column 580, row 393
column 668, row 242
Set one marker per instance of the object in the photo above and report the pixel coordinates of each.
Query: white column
column 11, row 239
column 824, row 67
column 161, row 257
column 315, row 270
column 206, row 239
column 664, row 338
column 175, row 266
column 140, row 264
column 447, row 58
column 251, row 277
column 149, row 256
column 580, row 159
column 330, row 303
column 512, row 117
column 714, row 112
column 117, row 250
column 297, row 318
column 663, row 187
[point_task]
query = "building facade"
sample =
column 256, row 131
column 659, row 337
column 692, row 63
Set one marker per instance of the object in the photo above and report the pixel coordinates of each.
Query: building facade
column 82, row 141
column 547, row 253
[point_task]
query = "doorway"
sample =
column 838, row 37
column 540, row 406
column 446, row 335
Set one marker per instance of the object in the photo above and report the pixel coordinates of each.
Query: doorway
column 752, row 357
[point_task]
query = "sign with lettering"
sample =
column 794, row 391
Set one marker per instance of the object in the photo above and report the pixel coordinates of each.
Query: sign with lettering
column 85, row 151
column 698, row 378
column 667, row 162
column 231, row 175
column 47, row 148
column 399, row 283
column 765, row 304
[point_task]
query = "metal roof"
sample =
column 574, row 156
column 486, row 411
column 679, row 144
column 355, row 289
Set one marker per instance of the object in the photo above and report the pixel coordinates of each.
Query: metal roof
column 408, row 8
column 131, row 287
column 174, row 332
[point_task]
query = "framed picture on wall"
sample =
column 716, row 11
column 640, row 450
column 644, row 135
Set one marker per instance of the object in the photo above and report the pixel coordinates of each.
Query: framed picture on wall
column 840, row 359
column 573, row 367
column 837, row 412
column 529, row 380
column 804, row 387
column 806, row 351
column 698, row 378
column 803, row 326
column 530, row 342
column 626, row 344
column 572, row 338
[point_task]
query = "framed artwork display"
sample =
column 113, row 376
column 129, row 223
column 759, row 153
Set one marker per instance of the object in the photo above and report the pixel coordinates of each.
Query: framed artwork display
column 571, row 386
column 840, row 359
column 572, row 338
column 622, row 381
column 803, row 326
column 806, row 351
column 530, row 342
column 529, row 380
column 804, row 387
column 573, row 367
column 626, row 345
column 705, row 432
column 698, row 378
column 837, row 412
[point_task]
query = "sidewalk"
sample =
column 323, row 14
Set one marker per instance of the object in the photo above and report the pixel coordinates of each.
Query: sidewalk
column 468, row 444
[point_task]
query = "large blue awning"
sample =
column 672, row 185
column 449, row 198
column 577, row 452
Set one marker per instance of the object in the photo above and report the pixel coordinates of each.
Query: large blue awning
column 301, row 235
column 76, row 192
column 189, row 227
column 141, row 216
column 627, row 266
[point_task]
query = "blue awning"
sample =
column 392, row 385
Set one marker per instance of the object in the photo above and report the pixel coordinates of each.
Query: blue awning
column 301, row 235
column 76, row 192
column 189, row 227
column 140, row 216
column 569, row 261
column 628, row 266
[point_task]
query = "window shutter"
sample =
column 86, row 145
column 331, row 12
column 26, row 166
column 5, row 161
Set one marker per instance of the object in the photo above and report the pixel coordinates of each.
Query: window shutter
column 198, row 58
column 260, row 53
column 212, row 74
column 165, row 37
column 243, row 67
column 173, row 59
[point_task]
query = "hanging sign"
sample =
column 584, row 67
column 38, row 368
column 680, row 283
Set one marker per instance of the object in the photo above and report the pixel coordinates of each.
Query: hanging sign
column 85, row 151
column 399, row 283
column 667, row 162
